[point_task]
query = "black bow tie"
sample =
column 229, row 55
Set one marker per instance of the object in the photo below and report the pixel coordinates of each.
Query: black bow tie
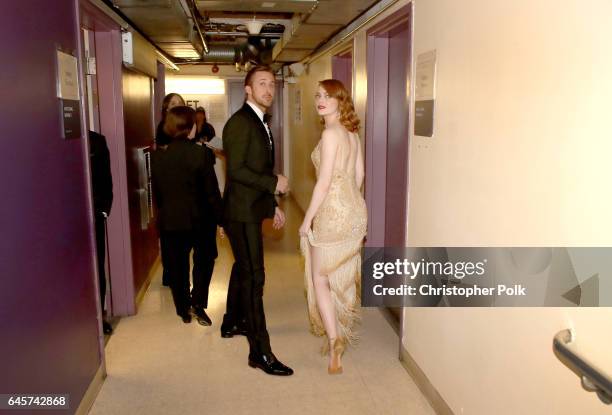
column 267, row 118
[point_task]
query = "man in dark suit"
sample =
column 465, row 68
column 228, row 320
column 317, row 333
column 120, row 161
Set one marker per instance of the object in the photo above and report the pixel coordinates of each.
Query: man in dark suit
column 102, row 189
column 249, row 199
column 187, row 195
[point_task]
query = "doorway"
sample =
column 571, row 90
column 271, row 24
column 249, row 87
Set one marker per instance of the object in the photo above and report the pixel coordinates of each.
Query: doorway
column 388, row 122
column 387, row 129
column 102, row 62
column 342, row 69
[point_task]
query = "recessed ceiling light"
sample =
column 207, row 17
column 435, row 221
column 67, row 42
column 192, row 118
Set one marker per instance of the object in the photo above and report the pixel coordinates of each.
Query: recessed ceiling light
column 268, row 4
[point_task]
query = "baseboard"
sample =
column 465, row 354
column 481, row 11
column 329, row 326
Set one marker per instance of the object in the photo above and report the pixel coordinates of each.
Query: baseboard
column 428, row 390
column 92, row 391
column 145, row 286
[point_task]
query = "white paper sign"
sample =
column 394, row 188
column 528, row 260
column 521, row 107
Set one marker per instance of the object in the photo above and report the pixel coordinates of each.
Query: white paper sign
column 68, row 76
column 426, row 76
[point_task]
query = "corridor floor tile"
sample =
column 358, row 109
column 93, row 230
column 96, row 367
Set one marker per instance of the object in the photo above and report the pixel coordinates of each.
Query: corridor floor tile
column 158, row 365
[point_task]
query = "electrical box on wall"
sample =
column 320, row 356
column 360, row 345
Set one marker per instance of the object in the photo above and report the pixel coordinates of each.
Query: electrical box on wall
column 127, row 44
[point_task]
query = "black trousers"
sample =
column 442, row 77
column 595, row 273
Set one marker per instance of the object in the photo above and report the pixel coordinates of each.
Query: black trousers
column 163, row 248
column 101, row 248
column 247, row 246
column 234, row 313
column 178, row 245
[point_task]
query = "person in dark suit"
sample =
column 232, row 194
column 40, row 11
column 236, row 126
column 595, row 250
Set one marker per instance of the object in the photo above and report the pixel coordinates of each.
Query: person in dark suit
column 102, row 189
column 204, row 133
column 249, row 199
column 161, row 142
column 187, row 194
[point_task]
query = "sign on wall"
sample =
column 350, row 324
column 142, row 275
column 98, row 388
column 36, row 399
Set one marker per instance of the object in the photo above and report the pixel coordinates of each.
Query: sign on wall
column 297, row 106
column 425, row 91
column 67, row 78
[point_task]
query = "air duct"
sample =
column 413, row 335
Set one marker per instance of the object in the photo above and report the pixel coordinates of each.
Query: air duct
column 221, row 54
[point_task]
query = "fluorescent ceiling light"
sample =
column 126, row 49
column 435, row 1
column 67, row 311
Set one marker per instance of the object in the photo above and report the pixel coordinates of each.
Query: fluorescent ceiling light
column 195, row 85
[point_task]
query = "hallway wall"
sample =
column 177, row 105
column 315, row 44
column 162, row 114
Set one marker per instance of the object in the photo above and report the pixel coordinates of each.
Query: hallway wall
column 519, row 157
column 304, row 129
column 48, row 296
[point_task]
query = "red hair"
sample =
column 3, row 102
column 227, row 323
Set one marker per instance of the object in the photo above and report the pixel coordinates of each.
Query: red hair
column 348, row 116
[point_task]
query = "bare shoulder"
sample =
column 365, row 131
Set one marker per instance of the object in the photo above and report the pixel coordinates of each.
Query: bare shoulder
column 330, row 137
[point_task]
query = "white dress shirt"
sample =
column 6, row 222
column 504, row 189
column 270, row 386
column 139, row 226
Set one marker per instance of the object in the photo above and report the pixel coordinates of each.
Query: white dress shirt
column 260, row 114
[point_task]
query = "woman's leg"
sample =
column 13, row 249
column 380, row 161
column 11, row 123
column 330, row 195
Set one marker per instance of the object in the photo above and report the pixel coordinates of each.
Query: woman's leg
column 323, row 296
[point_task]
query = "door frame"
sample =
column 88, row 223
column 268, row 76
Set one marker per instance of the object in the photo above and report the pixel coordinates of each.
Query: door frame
column 338, row 59
column 376, row 122
column 109, row 63
column 377, row 53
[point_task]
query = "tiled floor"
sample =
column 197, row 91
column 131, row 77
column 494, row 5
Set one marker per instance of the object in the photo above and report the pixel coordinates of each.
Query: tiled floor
column 158, row 365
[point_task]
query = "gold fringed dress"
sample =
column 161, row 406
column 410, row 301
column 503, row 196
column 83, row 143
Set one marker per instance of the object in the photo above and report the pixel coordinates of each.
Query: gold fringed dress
column 338, row 229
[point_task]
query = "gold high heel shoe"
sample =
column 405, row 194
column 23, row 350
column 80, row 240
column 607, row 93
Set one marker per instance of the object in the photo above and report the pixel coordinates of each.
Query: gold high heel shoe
column 336, row 350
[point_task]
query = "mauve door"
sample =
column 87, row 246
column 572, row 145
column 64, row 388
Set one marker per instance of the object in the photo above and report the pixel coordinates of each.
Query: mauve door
column 342, row 69
column 397, row 136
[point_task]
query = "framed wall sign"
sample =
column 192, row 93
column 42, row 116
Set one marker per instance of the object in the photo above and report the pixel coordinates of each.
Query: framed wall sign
column 68, row 94
column 67, row 76
column 425, row 93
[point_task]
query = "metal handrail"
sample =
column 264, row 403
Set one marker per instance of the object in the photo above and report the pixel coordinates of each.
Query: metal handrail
column 592, row 378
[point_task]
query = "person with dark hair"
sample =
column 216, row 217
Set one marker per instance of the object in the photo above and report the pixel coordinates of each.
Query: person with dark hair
column 204, row 130
column 102, row 189
column 170, row 101
column 161, row 142
column 187, row 195
column 249, row 199
column 335, row 224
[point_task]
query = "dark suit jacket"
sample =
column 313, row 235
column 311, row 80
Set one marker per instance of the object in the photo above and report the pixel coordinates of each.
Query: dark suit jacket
column 185, row 188
column 101, row 179
column 251, row 183
column 161, row 138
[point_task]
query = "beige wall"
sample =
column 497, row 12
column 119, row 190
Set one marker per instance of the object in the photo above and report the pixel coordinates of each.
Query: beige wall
column 522, row 136
column 302, row 136
column 520, row 156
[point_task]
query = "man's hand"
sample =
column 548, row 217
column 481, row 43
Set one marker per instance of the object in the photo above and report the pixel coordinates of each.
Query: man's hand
column 282, row 186
column 279, row 218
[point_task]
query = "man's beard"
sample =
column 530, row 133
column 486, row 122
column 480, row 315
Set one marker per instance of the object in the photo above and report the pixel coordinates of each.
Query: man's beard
column 263, row 103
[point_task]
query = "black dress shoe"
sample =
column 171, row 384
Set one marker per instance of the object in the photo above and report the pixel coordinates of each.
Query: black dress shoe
column 231, row 331
column 186, row 317
column 106, row 327
column 201, row 316
column 270, row 364
column 165, row 279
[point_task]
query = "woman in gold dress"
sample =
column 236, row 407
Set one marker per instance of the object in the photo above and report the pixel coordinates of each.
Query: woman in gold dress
column 331, row 235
